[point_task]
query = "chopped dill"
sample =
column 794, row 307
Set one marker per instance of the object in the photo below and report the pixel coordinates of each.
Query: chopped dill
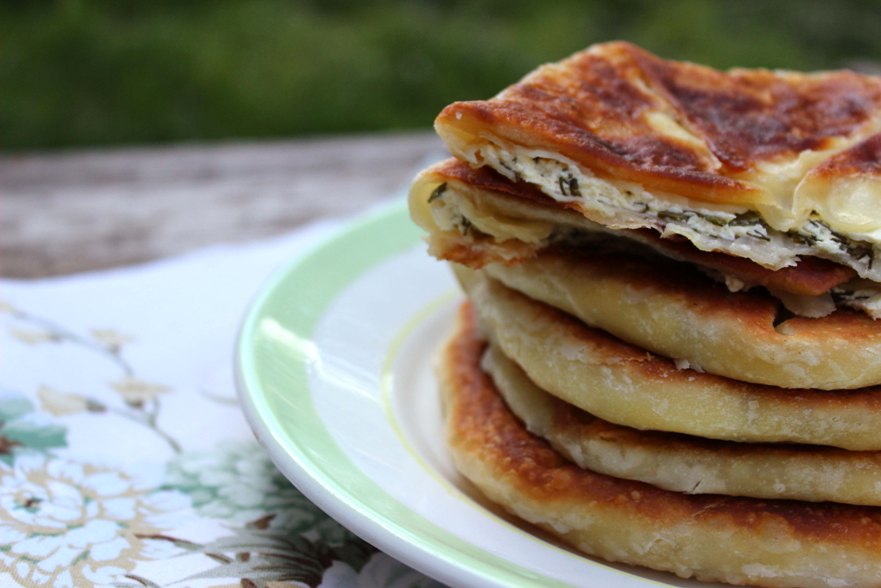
column 669, row 215
column 569, row 185
column 757, row 234
column 437, row 192
column 747, row 218
column 718, row 221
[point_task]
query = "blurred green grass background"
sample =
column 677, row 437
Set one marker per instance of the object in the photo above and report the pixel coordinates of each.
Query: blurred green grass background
column 102, row 72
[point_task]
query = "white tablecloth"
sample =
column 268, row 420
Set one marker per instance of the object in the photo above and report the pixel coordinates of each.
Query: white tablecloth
column 124, row 457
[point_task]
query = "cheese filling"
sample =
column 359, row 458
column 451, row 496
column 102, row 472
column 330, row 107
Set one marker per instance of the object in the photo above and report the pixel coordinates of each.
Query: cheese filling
column 440, row 208
column 622, row 205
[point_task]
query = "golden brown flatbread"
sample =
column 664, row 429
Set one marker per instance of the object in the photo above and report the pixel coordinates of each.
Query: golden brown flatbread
column 629, row 386
column 673, row 311
column 684, row 463
column 777, row 543
column 765, row 165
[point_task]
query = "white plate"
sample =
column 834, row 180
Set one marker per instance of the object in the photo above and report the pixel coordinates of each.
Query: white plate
column 335, row 375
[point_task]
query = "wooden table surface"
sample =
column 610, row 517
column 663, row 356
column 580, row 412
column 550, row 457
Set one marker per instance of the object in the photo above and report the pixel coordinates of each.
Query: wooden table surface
column 63, row 213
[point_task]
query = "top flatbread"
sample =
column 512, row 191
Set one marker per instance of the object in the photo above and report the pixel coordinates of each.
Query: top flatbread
column 677, row 127
column 618, row 124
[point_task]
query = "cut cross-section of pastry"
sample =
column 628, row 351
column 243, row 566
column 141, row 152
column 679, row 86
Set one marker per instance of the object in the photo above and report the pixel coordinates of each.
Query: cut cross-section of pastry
column 475, row 216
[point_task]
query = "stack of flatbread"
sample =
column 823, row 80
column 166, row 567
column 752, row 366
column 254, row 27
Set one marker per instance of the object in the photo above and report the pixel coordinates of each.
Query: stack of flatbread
column 670, row 354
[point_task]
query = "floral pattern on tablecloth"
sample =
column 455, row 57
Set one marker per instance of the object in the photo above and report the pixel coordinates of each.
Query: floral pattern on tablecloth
column 100, row 486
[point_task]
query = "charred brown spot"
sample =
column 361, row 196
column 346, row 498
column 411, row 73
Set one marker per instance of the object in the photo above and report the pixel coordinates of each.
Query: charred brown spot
column 751, row 115
column 862, row 158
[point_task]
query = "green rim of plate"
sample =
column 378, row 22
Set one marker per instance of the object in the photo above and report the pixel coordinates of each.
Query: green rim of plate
column 273, row 381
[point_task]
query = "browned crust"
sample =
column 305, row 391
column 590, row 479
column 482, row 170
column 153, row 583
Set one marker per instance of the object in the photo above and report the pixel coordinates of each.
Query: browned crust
column 748, row 116
column 481, row 425
column 591, row 108
column 863, row 158
column 811, row 276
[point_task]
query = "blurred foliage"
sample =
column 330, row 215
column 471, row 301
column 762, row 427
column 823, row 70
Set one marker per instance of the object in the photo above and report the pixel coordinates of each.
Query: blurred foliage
column 93, row 72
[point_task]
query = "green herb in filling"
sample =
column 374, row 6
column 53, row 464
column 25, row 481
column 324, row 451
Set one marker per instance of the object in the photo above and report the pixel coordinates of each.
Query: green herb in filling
column 802, row 239
column 437, row 192
column 669, row 215
column 745, row 219
column 569, row 185
column 718, row 221
column 756, row 233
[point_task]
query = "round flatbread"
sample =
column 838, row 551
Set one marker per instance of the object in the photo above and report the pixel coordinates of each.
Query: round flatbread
column 776, row 543
column 675, row 311
column 624, row 384
column 684, row 463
